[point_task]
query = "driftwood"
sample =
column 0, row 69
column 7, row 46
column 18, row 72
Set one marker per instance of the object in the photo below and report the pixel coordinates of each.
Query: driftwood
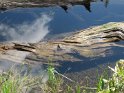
column 20, row 47
column 91, row 42
column 64, row 4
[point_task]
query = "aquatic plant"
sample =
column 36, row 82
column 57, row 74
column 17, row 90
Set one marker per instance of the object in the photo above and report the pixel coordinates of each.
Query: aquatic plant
column 115, row 84
column 54, row 82
column 14, row 82
column 11, row 82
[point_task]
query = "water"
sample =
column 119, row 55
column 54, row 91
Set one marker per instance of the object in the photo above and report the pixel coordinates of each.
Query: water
column 75, row 18
column 36, row 24
column 88, row 63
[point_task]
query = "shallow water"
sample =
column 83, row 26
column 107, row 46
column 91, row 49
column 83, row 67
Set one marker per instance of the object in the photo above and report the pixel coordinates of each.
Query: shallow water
column 36, row 24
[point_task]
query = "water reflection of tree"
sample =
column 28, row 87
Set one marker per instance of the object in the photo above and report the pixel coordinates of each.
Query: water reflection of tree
column 87, row 5
column 106, row 2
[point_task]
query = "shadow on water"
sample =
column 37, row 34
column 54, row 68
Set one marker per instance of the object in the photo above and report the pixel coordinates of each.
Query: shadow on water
column 88, row 63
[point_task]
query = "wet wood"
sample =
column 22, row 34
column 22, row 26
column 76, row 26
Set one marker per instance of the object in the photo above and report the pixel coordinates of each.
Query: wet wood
column 64, row 4
column 22, row 47
column 92, row 42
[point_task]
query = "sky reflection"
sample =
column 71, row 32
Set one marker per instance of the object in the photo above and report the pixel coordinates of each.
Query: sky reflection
column 25, row 32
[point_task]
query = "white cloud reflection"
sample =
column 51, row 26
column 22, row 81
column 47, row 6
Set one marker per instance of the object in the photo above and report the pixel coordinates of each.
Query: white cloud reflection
column 33, row 32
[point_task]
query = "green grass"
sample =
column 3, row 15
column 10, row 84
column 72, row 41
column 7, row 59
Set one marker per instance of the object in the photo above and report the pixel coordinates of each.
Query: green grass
column 115, row 84
column 54, row 82
column 11, row 82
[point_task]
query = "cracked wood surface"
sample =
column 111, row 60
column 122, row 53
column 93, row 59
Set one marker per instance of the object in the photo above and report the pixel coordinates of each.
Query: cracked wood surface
column 9, row 4
column 92, row 42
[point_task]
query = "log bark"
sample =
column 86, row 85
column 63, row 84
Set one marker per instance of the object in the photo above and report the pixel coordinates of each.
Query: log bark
column 92, row 42
column 9, row 4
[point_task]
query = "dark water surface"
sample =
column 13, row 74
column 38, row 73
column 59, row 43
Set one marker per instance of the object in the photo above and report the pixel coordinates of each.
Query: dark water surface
column 35, row 24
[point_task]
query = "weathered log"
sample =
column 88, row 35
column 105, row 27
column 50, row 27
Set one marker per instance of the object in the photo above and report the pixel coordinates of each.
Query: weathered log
column 91, row 42
column 22, row 47
column 9, row 4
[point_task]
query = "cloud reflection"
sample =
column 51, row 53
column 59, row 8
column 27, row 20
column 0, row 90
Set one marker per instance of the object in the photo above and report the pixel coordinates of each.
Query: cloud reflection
column 33, row 32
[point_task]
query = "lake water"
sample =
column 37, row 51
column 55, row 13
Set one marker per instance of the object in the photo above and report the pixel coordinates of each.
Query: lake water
column 36, row 24
column 54, row 20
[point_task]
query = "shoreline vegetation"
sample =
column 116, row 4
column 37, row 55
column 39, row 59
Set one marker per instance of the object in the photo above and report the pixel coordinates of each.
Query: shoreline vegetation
column 15, row 83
